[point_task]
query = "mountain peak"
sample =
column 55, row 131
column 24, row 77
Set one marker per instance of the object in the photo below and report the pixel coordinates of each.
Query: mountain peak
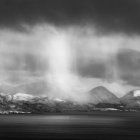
column 132, row 99
column 102, row 95
column 132, row 94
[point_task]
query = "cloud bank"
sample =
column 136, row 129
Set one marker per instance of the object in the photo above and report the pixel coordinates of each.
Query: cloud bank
column 65, row 48
column 68, row 60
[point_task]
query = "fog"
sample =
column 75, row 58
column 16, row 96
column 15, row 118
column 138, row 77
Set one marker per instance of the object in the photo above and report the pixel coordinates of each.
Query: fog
column 67, row 61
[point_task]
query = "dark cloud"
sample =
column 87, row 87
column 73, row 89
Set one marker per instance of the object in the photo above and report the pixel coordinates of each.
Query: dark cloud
column 107, row 15
column 25, row 56
column 93, row 69
column 129, row 65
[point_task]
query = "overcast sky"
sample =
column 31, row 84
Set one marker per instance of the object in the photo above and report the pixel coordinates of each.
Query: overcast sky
column 108, row 16
column 102, row 39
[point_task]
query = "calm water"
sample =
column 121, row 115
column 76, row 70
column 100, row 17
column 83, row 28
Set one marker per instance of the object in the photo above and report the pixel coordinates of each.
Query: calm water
column 99, row 125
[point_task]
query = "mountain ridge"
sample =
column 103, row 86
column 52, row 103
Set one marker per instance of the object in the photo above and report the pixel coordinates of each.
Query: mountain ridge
column 101, row 99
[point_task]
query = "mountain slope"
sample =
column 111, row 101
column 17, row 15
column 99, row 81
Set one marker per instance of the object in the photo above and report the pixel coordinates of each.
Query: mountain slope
column 132, row 99
column 102, row 95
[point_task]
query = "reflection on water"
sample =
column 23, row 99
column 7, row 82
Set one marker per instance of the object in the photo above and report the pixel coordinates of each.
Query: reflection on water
column 82, row 126
column 59, row 119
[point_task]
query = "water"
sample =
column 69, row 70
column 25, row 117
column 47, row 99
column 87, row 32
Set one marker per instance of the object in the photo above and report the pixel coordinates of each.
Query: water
column 98, row 125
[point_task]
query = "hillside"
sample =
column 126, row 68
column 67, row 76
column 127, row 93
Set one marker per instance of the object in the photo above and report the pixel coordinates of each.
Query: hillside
column 102, row 95
column 131, row 99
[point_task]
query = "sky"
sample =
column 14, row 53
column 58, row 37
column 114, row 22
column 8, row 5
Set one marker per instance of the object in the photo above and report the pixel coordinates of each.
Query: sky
column 71, row 46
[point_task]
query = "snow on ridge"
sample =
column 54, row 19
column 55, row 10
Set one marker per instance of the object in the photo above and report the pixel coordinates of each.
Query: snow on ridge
column 22, row 96
column 113, row 109
column 136, row 93
column 59, row 100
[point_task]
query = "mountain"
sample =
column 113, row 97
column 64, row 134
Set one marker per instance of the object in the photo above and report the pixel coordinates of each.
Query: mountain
column 5, row 97
column 31, row 87
column 101, row 99
column 102, row 95
column 132, row 99
column 25, row 103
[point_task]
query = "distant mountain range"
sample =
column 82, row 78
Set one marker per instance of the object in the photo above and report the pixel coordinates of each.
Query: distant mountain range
column 101, row 99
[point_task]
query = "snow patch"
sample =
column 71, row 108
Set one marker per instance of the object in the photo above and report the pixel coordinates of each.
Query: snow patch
column 22, row 96
column 113, row 109
column 136, row 93
column 59, row 100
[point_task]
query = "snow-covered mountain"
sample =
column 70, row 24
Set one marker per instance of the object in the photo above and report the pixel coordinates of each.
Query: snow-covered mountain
column 100, row 99
column 132, row 99
column 102, row 95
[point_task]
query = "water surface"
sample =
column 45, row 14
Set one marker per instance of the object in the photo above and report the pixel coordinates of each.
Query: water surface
column 98, row 125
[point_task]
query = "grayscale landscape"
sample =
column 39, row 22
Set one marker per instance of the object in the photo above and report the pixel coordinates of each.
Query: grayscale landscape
column 70, row 69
